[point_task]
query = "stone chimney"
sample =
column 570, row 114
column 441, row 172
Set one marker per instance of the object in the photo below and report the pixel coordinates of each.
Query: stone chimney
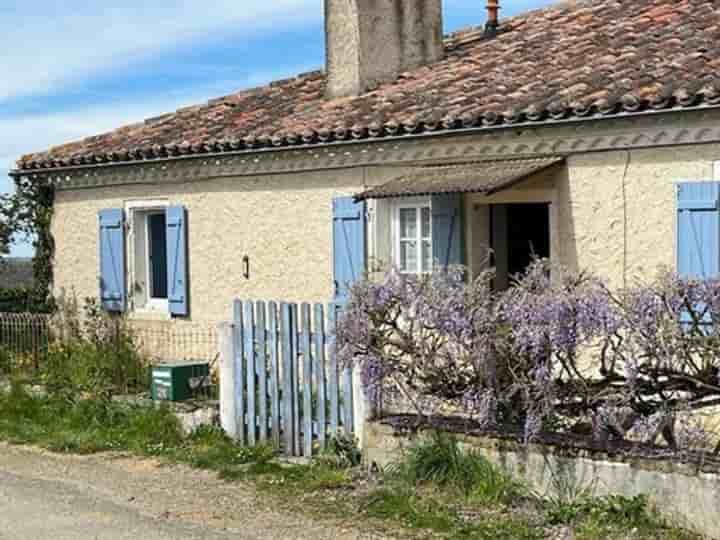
column 372, row 41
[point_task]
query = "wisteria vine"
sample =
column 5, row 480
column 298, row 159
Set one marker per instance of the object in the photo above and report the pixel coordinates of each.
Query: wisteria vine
column 558, row 350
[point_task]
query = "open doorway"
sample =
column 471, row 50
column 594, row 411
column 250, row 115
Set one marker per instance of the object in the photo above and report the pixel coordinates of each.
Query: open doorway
column 519, row 232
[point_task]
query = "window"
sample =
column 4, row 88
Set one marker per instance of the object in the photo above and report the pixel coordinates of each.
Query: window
column 148, row 255
column 156, row 256
column 143, row 258
column 414, row 239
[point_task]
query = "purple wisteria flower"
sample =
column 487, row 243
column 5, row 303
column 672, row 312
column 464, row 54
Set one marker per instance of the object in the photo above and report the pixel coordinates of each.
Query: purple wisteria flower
column 558, row 349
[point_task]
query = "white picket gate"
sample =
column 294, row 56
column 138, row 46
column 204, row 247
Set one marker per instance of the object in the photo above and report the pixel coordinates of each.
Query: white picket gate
column 280, row 383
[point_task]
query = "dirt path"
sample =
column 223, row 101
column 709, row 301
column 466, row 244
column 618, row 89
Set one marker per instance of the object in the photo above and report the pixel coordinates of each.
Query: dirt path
column 45, row 495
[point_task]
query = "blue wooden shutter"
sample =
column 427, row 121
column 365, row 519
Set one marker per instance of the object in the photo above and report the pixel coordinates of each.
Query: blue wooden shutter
column 447, row 229
column 698, row 235
column 348, row 245
column 177, row 268
column 698, row 229
column 111, row 250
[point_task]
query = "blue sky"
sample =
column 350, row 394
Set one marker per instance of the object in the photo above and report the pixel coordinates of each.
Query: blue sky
column 75, row 68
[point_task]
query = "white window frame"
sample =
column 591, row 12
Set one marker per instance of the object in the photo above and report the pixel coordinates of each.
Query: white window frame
column 152, row 303
column 150, row 306
column 418, row 204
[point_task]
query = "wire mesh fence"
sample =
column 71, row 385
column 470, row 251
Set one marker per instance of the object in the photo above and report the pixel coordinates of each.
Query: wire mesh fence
column 164, row 341
column 26, row 337
column 169, row 343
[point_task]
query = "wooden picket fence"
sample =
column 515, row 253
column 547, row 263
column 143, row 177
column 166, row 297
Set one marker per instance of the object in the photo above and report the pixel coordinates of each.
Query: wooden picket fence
column 280, row 382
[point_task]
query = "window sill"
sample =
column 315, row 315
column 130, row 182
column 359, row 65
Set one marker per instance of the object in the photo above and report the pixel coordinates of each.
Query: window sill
column 149, row 315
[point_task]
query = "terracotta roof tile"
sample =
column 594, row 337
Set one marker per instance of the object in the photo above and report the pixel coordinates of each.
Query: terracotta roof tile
column 576, row 59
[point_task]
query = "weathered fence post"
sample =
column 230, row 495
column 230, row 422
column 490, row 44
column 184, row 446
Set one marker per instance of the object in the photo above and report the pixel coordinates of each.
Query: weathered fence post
column 285, row 383
column 226, row 346
column 250, row 371
column 274, row 345
column 362, row 408
column 320, row 373
column 239, row 373
column 305, row 347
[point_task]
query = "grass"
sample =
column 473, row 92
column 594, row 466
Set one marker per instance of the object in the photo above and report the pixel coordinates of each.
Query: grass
column 461, row 495
column 85, row 426
column 599, row 518
column 91, row 426
column 437, row 485
column 441, row 461
column 410, row 509
column 436, row 488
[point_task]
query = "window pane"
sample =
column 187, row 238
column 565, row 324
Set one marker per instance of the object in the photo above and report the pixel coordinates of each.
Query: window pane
column 427, row 261
column 408, row 256
column 426, row 229
column 408, row 223
column 157, row 254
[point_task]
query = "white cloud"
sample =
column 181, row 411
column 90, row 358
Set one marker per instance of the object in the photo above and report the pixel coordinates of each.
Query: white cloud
column 22, row 134
column 51, row 43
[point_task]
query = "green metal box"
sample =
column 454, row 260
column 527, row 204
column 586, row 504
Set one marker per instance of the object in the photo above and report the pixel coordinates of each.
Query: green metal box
column 179, row 382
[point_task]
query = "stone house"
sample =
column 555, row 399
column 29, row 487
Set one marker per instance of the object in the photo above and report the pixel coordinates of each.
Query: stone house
column 588, row 132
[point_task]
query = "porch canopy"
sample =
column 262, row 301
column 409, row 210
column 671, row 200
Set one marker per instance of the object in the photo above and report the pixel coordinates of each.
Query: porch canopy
column 477, row 177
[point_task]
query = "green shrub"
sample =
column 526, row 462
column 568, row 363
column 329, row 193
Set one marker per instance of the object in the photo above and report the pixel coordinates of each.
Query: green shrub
column 96, row 357
column 24, row 300
column 440, row 460
column 611, row 509
column 620, row 509
column 342, row 452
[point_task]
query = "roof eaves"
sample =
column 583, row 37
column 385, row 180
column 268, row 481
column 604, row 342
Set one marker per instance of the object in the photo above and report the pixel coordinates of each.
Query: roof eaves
column 626, row 106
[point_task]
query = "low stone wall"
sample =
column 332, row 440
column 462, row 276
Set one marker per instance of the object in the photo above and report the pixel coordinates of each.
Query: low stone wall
column 688, row 495
column 191, row 415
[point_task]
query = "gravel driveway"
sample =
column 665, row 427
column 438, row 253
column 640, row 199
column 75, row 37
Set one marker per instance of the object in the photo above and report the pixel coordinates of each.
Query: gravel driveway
column 59, row 497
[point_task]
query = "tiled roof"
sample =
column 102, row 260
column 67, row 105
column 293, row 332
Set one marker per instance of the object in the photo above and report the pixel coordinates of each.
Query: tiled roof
column 478, row 177
column 578, row 59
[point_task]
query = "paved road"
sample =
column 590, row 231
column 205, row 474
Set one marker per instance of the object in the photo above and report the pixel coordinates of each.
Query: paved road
column 45, row 496
column 45, row 509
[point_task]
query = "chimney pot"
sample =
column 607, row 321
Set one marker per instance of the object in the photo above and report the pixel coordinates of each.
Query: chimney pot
column 491, row 27
column 369, row 42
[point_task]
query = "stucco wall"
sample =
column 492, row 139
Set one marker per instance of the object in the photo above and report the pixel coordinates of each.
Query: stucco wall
column 617, row 209
column 614, row 212
column 283, row 223
column 607, row 214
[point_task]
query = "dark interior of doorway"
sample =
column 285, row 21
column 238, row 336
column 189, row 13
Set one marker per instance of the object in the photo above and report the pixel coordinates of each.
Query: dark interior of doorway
column 520, row 232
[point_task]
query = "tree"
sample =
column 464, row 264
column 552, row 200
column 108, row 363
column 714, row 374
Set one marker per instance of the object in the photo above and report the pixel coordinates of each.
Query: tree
column 28, row 212
column 6, row 228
